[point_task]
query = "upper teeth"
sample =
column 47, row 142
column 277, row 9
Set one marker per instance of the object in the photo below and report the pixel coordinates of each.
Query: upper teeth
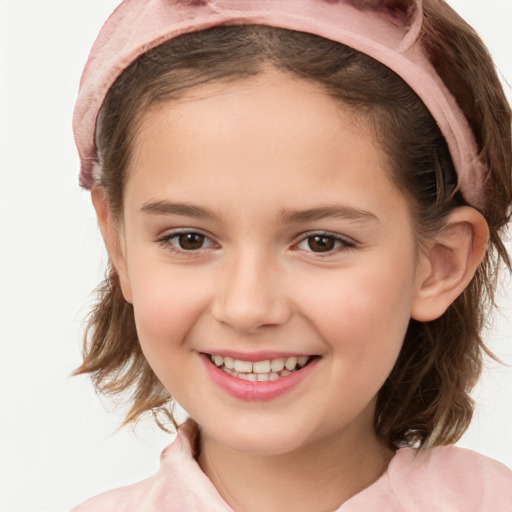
column 266, row 366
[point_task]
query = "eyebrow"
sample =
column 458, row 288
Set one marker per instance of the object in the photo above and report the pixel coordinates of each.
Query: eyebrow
column 171, row 208
column 335, row 211
column 164, row 207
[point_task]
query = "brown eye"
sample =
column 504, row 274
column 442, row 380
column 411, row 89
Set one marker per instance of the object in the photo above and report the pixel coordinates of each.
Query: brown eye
column 325, row 243
column 191, row 241
column 321, row 243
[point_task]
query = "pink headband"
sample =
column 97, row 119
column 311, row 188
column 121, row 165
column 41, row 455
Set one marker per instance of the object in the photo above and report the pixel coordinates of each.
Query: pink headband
column 137, row 26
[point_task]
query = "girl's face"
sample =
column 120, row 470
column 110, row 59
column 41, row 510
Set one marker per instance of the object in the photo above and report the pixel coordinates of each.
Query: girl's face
column 261, row 229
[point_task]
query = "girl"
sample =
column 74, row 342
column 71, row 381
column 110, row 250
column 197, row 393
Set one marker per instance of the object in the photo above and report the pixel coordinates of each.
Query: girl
column 302, row 204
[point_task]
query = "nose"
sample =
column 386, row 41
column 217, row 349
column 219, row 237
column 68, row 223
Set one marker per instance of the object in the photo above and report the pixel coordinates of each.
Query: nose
column 251, row 295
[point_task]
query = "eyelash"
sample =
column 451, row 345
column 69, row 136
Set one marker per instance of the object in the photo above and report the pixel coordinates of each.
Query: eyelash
column 340, row 243
column 166, row 241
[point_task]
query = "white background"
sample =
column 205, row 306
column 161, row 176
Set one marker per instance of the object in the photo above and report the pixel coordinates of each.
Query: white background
column 58, row 445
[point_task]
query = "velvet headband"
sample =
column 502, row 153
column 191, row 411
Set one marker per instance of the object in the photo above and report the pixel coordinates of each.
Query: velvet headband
column 137, row 26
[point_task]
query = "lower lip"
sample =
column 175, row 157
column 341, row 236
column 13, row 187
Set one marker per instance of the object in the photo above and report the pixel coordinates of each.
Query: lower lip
column 253, row 391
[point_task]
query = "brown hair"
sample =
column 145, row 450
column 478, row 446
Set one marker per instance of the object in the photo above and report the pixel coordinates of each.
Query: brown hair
column 425, row 400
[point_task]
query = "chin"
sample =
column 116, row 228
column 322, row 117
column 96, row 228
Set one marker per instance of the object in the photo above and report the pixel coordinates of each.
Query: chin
column 263, row 439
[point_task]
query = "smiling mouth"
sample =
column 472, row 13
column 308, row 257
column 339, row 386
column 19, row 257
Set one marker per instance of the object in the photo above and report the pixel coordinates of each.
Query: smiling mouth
column 260, row 371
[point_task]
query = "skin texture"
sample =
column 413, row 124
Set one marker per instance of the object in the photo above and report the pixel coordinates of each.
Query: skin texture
column 246, row 159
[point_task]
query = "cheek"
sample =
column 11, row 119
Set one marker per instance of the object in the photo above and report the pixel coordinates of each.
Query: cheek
column 364, row 318
column 166, row 305
column 166, row 308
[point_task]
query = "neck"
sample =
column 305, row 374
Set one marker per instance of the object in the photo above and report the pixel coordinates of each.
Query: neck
column 320, row 476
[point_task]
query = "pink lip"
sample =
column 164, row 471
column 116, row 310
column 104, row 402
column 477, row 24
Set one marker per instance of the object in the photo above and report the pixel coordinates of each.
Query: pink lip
column 253, row 391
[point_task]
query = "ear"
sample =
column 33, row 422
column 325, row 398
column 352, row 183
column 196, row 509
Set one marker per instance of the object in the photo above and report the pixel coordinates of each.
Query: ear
column 449, row 263
column 113, row 239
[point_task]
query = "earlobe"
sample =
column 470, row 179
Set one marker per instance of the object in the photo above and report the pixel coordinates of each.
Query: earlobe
column 449, row 263
column 111, row 237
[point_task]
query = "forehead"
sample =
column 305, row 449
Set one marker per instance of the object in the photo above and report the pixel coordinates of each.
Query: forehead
column 251, row 138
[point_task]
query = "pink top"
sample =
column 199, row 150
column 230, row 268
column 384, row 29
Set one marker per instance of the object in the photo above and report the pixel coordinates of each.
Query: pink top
column 443, row 479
